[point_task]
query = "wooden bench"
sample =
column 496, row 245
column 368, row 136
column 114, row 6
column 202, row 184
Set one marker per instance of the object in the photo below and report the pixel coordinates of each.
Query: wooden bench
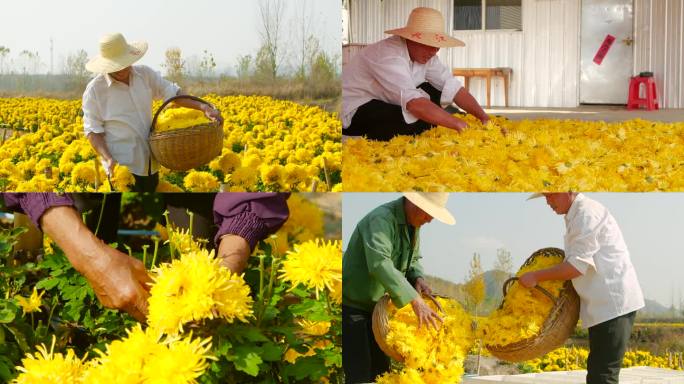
column 487, row 73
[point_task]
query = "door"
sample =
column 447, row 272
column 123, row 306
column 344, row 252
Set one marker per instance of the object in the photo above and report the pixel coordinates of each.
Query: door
column 605, row 67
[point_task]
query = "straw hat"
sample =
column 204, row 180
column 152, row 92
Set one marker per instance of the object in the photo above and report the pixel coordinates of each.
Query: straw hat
column 426, row 26
column 116, row 54
column 434, row 204
column 535, row 196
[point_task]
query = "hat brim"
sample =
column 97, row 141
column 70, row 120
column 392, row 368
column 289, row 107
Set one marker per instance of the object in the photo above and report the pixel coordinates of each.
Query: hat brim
column 136, row 50
column 535, row 196
column 438, row 40
column 440, row 213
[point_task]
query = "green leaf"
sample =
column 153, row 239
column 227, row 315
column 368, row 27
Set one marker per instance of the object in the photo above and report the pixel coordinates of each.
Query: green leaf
column 246, row 359
column 8, row 311
column 312, row 367
column 248, row 332
column 6, row 370
column 272, row 352
column 48, row 283
column 20, row 338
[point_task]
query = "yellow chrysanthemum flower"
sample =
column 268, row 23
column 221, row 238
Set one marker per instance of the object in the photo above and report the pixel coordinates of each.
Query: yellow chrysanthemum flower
column 32, row 303
column 193, row 288
column 143, row 357
column 45, row 367
column 180, row 117
column 316, row 264
column 200, row 181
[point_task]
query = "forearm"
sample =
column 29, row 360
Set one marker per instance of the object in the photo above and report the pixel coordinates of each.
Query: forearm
column 562, row 271
column 189, row 103
column 423, row 109
column 64, row 226
column 97, row 140
column 466, row 101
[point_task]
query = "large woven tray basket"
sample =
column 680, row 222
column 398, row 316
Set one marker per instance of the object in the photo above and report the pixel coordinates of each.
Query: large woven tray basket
column 381, row 326
column 559, row 325
column 186, row 148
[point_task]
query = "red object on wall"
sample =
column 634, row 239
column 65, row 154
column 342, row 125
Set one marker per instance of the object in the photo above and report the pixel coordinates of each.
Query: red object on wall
column 650, row 101
column 603, row 49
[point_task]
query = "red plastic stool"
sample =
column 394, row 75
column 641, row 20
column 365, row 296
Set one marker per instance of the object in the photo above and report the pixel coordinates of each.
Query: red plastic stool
column 651, row 99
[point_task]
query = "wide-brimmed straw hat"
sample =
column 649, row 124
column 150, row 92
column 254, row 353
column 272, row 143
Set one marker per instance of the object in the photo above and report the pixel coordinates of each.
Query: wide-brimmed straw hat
column 433, row 203
column 116, row 54
column 426, row 26
column 535, row 196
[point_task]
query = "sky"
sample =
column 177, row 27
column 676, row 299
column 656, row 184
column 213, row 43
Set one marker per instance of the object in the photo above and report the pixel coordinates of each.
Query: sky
column 651, row 224
column 226, row 28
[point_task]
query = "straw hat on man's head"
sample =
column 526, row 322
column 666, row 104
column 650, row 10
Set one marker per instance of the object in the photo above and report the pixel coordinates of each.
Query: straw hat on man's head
column 434, row 204
column 116, row 54
column 426, row 26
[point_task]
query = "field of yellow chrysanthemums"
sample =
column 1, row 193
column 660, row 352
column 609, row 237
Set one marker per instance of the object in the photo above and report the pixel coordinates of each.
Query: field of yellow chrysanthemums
column 575, row 358
column 535, row 155
column 268, row 145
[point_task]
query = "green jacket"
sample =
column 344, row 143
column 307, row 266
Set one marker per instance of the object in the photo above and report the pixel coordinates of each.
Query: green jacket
column 377, row 259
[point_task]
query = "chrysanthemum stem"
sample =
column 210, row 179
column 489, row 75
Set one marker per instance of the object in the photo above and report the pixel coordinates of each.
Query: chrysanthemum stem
column 156, row 249
column 144, row 260
column 168, row 231
column 130, row 251
column 99, row 219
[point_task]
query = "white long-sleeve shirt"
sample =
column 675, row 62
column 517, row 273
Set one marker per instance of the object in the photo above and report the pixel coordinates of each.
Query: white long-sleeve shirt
column 124, row 114
column 608, row 286
column 384, row 71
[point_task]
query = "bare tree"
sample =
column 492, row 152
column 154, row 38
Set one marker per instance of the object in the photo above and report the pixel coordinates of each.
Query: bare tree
column 4, row 51
column 243, row 68
column 475, row 286
column 75, row 69
column 271, row 54
column 174, row 64
column 504, row 262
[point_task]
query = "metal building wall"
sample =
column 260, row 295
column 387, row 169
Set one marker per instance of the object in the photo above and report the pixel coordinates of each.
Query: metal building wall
column 659, row 47
column 544, row 56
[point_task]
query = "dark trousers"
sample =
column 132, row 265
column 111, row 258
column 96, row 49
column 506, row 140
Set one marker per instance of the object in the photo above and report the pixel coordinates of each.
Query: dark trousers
column 362, row 358
column 378, row 120
column 178, row 205
column 91, row 205
column 607, row 346
column 202, row 207
column 146, row 183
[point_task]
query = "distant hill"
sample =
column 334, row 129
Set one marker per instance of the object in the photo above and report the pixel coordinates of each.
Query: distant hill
column 654, row 308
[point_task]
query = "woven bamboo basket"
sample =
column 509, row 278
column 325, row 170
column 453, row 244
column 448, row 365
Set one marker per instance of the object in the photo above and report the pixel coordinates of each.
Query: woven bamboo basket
column 381, row 326
column 559, row 325
column 186, row 148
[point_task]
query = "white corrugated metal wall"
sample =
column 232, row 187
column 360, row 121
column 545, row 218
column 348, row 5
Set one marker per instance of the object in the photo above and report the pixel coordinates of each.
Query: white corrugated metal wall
column 545, row 55
column 659, row 47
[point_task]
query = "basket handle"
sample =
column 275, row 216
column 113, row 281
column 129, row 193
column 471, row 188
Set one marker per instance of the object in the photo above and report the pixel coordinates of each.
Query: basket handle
column 169, row 100
column 510, row 281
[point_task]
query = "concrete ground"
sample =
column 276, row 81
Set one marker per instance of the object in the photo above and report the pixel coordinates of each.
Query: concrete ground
column 589, row 112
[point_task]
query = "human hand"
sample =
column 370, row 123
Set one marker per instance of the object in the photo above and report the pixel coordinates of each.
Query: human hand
column 422, row 287
column 234, row 252
column 460, row 125
column 108, row 164
column 213, row 114
column 528, row 280
column 425, row 314
column 119, row 281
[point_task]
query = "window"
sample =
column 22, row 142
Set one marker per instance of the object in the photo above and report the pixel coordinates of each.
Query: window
column 500, row 14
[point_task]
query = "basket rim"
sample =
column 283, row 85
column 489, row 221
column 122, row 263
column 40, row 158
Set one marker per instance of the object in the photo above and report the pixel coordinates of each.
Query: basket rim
column 184, row 131
column 565, row 296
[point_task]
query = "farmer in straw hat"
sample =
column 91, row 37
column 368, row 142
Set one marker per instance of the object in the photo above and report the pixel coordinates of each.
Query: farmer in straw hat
column 117, row 108
column 398, row 86
column 598, row 263
column 383, row 257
